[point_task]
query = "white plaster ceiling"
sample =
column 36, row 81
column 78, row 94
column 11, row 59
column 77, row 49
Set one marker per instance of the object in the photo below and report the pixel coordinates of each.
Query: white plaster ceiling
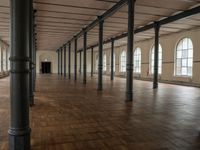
column 58, row 21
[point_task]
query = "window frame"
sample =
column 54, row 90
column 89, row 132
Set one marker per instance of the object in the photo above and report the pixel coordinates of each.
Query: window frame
column 181, row 58
column 139, row 59
column 123, row 62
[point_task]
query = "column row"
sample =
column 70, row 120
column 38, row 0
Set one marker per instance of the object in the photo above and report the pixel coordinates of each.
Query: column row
column 129, row 63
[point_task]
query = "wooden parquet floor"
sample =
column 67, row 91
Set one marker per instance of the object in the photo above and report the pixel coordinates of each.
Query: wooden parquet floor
column 71, row 116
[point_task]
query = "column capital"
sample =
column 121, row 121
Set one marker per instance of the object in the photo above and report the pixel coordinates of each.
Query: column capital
column 156, row 25
column 100, row 19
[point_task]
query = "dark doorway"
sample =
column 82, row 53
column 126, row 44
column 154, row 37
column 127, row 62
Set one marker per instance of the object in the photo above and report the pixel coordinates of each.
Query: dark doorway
column 46, row 67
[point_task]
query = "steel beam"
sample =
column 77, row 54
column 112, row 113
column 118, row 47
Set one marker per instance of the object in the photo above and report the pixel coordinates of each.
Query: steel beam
column 19, row 130
column 156, row 55
column 69, row 61
column 130, row 40
column 84, row 57
column 112, row 61
column 104, row 16
column 100, row 65
column 164, row 21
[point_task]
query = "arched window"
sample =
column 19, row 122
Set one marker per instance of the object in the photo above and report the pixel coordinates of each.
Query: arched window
column 159, row 60
column 97, row 62
column 104, row 62
column 123, row 61
column 137, row 60
column 184, row 57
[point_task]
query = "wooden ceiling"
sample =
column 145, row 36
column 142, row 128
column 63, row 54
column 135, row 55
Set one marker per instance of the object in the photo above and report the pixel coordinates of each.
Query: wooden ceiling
column 58, row 21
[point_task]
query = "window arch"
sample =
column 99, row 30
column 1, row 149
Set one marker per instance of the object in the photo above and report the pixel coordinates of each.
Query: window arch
column 123, row 61
column 159, row 59
column 104, row 62
column 137, row 60
column 184, row 57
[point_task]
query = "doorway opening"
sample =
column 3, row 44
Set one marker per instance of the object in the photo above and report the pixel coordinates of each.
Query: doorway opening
column 46, row 67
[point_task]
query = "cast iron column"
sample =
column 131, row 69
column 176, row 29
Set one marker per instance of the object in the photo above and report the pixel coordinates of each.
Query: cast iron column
column 92, row 53
column 112, row 62
column 31, row 73
column 7, row 59
column 129, row 64
column 19, row 130
column 75, row 59
column 84, row 57
column 61, row 61
column 2, row 59
column 156, row 55
column 100, row 65
column 58, row 61
column 64, row 47
column 69, row 61
column 80, row 63
column 35, row 47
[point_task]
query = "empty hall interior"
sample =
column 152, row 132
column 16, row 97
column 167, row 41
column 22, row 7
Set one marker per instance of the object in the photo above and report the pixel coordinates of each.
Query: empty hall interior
column 99, row 74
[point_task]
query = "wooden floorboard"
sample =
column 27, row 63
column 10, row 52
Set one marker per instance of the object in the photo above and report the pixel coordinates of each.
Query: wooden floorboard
column 70, row 115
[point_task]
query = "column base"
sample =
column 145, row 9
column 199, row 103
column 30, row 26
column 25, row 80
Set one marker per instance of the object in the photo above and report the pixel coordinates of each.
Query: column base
column 31, row 101
column 99, row 88
column 155, row 86
column 19, row 139
column 129, row 96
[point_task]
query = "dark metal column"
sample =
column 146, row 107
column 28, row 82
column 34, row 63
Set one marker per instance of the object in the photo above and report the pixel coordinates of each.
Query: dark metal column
column 19, row 131
column 129, row 64
column 34, row 51
column 112, row 61
column 84, row 57
column 31, row 73
column 80, row 69
column 6, row 59
column 2, row 60
column 156, row 55
column 75, row 59
column 69, row 61
column 58, row 61
column 64, row 48
column 61, row 61
column 100, row 65
column 92, row 61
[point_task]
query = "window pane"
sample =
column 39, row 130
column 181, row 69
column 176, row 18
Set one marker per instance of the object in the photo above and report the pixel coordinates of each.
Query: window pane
column 190, row 71
column 185, row 44
column 178, row 63
column 184, row 57
column 180, row 46
column 190, row 53
column 189, row 62
column 184, row 71
column 179, row 54
column 184, row 62
column 178, row 69
column 190, row 46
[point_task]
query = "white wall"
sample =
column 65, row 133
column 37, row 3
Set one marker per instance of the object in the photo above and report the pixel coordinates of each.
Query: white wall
column 168, row 44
